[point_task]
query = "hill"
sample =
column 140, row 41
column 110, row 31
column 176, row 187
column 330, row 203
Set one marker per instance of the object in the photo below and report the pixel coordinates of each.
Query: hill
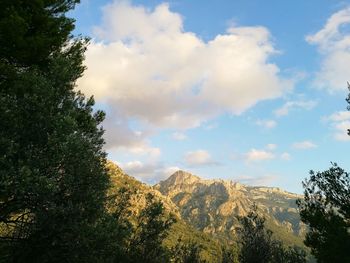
column 212, row 206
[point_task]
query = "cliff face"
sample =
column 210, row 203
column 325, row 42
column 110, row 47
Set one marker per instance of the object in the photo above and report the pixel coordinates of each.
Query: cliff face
column 212, row 206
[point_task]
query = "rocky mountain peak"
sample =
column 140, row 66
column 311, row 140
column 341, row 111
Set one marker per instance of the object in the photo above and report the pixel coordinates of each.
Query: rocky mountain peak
column 202, row 202
column 179, row 180
column 181, row 177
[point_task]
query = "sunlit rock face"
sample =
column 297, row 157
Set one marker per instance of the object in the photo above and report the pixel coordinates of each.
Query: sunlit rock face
column 214, row 205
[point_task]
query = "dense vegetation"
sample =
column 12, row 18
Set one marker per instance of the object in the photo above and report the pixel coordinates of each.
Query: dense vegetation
column 61, row 201
column 53, row 179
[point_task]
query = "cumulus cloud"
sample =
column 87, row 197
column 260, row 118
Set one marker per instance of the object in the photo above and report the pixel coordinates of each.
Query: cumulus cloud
column 143, row 63
column 267, row 124
column 258, row 155
column 285, row 156
column 150, row 172
column 199, row 158
column 271, row 146
column 333, row 41
column 295, row 105
column 120, row 136
column 179, row 136
column 304, row 145
column 340, row 122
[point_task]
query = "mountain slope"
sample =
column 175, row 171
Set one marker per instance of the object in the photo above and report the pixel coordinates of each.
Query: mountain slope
column 210, row 248
column 212, row 206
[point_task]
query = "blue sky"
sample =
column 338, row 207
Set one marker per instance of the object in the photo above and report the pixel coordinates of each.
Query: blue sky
column 251, row 91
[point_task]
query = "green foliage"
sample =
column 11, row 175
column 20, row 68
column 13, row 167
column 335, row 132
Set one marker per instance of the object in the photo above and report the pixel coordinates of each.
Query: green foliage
column 326, row 210
column 53, row 180
column 147, row 237
column 209, row 249
column 179, row 236
column 31, row 31
column 283, row 254
column 255, row 240
column 230, row 254
column 188, row 252
column 257, row 244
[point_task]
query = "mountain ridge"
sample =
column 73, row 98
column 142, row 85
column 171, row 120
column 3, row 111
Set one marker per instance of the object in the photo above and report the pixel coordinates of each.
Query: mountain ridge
column 213, row 205
column 175, row 177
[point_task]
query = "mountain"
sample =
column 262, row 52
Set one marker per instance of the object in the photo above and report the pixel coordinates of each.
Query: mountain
column 212, row 206
column 211, row 248
column 207, row 210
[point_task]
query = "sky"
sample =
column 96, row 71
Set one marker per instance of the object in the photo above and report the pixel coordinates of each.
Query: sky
column 250, row 91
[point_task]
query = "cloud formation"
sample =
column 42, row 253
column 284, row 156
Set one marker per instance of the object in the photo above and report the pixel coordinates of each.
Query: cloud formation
column 304, row 145
column 285, row 156
column 179, row 136
column 144, row 64
column 295, row 105
column 333, row 41
column 148, row 172
column 258, row 155
column 267, row 124
column 340, row 122
column 199, row 158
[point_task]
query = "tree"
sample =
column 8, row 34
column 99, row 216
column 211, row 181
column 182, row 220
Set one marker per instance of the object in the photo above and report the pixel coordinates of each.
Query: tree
column 53, row 179
column 186, row 252
column 229, row 254
column 326, row 210
column 257, row 244
column 283, row 254
column 139, row 222
column 255, row 239
column 146, row 242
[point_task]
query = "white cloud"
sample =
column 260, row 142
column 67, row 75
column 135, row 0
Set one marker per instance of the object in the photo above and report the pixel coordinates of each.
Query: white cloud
column 304, row 145
column 120, row 136
column 271, row 146
column 143, row 63
column 340, row 122
column 339, row 116
column 333, row 41
column 150, row 172
column 179, row 136
column 199, row 158
column 293, row 105
column 152, row 152
column 258, row 155
column 285, row 156
column 267, row 124
column 211, row 126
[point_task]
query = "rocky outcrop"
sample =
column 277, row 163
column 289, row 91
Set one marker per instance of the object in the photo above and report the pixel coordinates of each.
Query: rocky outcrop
column 213, row 205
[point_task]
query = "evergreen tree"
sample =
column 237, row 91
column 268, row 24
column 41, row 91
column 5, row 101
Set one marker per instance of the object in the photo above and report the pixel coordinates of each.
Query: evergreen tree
column 186, row 252
column 326, row 210
column 53, row 179
column 146, row 242
column 255, row 239
column 258, row 246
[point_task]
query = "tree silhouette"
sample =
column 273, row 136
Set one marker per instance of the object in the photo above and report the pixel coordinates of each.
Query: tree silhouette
column 53, row 179
column 326, row 210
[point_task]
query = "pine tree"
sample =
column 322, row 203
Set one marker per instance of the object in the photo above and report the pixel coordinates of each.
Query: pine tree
column 53, row 179
column 325, row 208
